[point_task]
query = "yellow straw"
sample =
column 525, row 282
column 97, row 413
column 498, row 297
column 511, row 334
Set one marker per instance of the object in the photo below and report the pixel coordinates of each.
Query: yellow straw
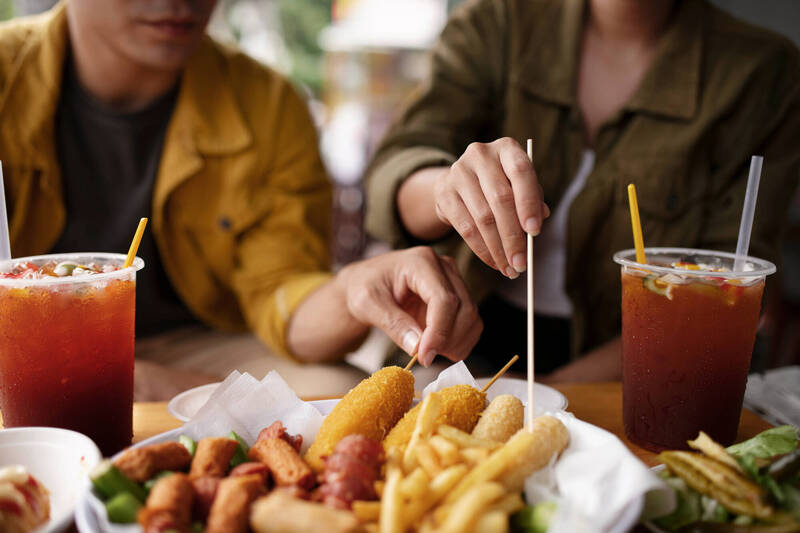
column 638, row 242
column 137, row 238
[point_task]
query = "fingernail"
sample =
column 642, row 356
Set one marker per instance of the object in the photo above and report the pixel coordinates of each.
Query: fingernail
column 519, row 262
column 532, row 226
column 410, row 341
column 546, row 210
column 429, row 357
column 511, row 273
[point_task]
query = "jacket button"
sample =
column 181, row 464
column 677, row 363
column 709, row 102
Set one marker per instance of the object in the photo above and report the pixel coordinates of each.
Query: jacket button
column 224, row 223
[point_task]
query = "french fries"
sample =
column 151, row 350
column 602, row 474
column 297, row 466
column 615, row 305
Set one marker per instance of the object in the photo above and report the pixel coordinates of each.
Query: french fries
column 449, row 481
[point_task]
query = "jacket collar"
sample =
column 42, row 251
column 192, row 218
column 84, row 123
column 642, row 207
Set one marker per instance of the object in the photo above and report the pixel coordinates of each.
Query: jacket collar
column 671, row 86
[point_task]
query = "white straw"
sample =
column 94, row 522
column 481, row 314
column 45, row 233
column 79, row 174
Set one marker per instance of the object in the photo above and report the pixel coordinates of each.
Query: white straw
column 530, row 314
column 5, row 244
column 748, row 211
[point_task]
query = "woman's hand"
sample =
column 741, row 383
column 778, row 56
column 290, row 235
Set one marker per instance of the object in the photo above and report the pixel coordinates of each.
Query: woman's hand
column 491, row 196
column 418, row 298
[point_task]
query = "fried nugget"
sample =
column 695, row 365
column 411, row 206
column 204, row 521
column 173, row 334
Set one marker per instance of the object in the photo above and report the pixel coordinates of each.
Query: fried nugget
column 230, row 510
column 370, row 409
column 504, row 417
column 213, row 456
column 462, row 405
column 169, row 504
column 141, row 464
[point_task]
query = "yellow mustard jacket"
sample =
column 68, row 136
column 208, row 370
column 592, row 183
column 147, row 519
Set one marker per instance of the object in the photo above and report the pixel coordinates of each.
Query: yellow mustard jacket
column 241, row 202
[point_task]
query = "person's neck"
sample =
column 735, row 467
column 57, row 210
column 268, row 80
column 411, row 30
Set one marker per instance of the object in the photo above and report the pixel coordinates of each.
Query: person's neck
column 640, row 21
column 111, row 78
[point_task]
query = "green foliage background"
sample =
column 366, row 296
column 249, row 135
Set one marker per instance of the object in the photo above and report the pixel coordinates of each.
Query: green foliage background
column 302, row 20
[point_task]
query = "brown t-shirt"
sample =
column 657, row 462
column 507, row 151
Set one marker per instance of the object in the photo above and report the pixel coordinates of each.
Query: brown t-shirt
column 109, row 161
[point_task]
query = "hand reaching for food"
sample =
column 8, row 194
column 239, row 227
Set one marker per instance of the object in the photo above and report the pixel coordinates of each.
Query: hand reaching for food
column 417, row 298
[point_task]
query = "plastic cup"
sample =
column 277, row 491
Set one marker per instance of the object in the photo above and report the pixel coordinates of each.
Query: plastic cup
column 67, row 349
column 687, row 340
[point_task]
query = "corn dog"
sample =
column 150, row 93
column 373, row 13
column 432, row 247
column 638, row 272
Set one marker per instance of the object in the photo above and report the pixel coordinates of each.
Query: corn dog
column 504, row 417
column 370, row 409
column 461, row 407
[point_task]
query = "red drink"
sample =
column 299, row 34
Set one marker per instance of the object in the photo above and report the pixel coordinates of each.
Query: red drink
column 687, row 339
column 66, row 353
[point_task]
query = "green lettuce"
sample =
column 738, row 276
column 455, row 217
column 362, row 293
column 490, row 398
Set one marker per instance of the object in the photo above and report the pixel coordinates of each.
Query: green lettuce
column 775, row 441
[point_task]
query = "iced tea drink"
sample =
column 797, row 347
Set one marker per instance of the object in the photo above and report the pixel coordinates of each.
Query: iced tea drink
column 688, row 328
column 66, row 345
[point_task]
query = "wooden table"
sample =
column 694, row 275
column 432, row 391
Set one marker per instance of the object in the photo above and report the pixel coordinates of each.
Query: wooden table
column 597, row 403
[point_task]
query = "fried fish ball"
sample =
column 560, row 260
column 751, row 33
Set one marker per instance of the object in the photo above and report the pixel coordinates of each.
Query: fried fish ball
column 461, row 407
column 550, row 437
column 504, row 416
column 371, row 409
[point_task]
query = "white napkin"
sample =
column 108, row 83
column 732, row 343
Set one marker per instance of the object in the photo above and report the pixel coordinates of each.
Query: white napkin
column 245, row 405
column 595, row 481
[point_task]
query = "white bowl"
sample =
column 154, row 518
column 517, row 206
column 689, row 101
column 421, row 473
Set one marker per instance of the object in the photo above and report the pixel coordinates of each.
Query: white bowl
column 61, row 459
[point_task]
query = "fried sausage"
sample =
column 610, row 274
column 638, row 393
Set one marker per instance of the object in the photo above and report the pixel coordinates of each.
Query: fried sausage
column 169, row 505
column 141, row 464
column 205, row 490
column 230, row 511
column 213, row 456
column 286, row 465
column 371, row 409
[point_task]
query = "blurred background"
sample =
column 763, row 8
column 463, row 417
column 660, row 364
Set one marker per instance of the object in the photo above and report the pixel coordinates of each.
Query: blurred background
column 358, row 60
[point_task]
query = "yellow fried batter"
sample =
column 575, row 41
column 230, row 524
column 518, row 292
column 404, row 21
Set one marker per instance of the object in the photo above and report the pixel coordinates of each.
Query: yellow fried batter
column 461, row 407
column 504, row 417
column 371, row 409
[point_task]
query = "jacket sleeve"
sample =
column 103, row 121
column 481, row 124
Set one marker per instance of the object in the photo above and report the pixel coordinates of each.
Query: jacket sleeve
column 455, row 106
column 285, row 256
column 769, row 118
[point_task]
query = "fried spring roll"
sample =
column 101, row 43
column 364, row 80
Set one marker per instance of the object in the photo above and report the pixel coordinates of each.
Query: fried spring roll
column 141, row 464
column 213, row 456
column 230, row 511
column 169, row 505
column 286, row 465
column 280, row 513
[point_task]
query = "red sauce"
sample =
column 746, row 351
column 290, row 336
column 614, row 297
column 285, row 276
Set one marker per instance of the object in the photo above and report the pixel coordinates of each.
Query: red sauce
column 685, row 360
column 66, row 360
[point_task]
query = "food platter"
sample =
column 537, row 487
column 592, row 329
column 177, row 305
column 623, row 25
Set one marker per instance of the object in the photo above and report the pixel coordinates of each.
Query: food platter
column 587, row 442
column 186, row 404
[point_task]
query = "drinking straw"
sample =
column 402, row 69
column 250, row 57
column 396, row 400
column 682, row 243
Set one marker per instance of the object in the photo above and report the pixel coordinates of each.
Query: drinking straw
column 748, row 211
column 5, row 241
column 638, row 242
column 530, row 314
column 137, row 238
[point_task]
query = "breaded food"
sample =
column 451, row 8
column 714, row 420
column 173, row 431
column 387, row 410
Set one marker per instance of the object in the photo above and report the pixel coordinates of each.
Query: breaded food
column 549, row 438
column 370, row 409
column 169, row 504
column 286, row 465
column 504, row 416
column 281, row 513
column 230, row 510
column 213, row 457
column 461, row 407
column 141, row 464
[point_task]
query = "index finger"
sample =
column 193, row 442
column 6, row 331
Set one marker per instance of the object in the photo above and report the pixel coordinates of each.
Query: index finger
column 528, row 196
column 433, row 286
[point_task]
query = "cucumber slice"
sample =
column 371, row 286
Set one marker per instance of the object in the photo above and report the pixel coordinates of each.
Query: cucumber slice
column 109, row 482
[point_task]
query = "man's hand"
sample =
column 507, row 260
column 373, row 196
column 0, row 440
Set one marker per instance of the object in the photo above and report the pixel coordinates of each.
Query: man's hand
column 418, row 298
column 491, row 196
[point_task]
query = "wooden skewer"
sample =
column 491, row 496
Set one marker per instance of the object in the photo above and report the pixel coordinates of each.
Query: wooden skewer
column 414, row 357
column 500, row 374
column 530, row 314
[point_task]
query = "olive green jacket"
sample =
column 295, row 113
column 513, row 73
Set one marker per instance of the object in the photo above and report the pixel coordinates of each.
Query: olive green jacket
column 718, row 91
column 241, row 203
